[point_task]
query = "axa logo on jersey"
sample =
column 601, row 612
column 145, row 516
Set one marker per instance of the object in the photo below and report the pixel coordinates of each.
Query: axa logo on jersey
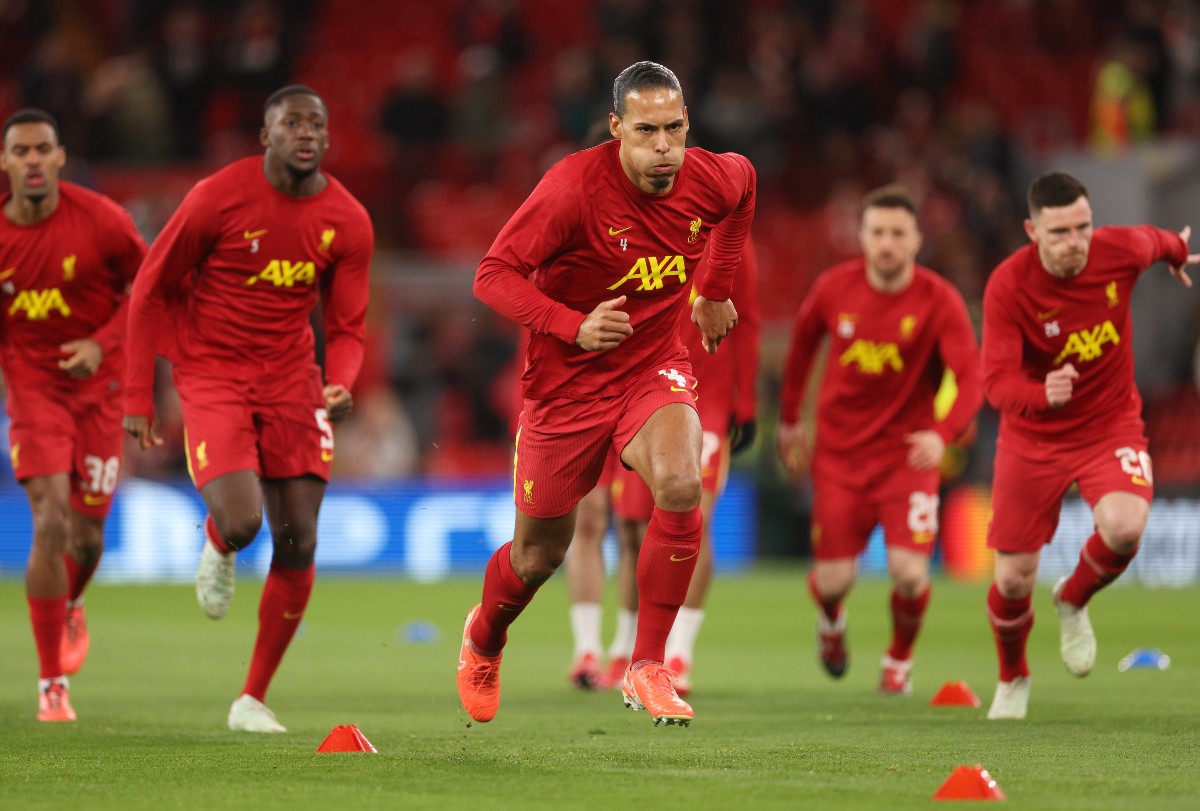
column 285, row 273
column 1088, row 344
column 871, row 358
column 652, row 272
column 37, row 305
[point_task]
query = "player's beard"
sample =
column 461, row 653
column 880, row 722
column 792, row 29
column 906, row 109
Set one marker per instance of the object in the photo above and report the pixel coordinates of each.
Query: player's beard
column 298, row 174
column 662, row 183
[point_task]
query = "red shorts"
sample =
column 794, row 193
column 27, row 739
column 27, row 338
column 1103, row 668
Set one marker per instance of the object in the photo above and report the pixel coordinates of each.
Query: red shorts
column 1029, row 484
column 848, row 504
column 562, row 444
column 56, row 431
column 275, row 426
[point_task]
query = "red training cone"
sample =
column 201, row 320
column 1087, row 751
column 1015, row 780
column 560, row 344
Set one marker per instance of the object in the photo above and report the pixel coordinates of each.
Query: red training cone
column 346, row 738
column 969, row 783
column 955, row 694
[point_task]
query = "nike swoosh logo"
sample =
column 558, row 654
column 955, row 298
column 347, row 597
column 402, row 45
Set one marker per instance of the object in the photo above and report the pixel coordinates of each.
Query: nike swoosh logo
column 7, row 273
column 676, row 388
column 253, row 234
column 461, row 664
column 289, row 615
column 1048, row 314
column 681, row 560
column 92, row 500
column 612, row 232
column 326, row 456
column 504, row 607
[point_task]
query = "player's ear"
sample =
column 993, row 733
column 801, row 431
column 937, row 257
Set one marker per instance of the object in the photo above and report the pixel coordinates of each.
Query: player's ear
column 614, row 125
column 1030, row 231
column 264, row 137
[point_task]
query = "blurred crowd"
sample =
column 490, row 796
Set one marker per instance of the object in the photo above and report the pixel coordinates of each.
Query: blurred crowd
column 828, row 98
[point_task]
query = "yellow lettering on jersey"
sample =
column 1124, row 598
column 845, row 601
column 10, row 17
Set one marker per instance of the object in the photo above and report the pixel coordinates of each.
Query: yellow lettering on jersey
column 871, row 357
column 38, row 304
column 1110, row 291
column 284, row 273
column 69, row 268
column 650, row 273
column 326, row 240
column 1088, row 344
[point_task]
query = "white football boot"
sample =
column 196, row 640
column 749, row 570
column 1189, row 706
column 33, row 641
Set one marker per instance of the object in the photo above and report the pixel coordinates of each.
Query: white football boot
column 248, row 714
column 214, row 581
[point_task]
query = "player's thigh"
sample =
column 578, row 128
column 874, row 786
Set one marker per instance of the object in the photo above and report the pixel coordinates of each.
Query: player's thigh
column 659, row 431
column 1027, row 493
column 41, row 434
column 843, row 518
column 220, row 436
column 295, row 435
column 561, row 446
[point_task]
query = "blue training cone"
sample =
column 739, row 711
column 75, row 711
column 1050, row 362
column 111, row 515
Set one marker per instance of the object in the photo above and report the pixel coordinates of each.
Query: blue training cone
column 1145, row 659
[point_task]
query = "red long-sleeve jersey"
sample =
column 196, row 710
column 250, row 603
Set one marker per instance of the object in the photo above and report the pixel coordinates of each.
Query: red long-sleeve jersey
column 1034, row 323
column 887, row 356
column 593, row 236
column 728, row 380
column 232, row 279
column 62, row 279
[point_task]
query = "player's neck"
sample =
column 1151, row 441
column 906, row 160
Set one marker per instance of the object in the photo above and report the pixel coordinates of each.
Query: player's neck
column 890, row 285
column 30, row 210
column 287, row 182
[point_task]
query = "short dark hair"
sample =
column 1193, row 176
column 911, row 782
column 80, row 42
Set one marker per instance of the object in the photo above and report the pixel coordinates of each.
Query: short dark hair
column 291, row 90
column 1054, row 190
column 31, row 115
column 642, row 76
column 892, row 196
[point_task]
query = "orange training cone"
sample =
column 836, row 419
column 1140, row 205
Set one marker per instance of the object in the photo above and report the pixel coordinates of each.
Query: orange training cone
column 346, row 738
column 969, row 783
column 955, row 694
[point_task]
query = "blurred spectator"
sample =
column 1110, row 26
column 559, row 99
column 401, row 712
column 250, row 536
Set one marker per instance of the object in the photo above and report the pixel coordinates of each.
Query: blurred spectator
column 128, row 111
column 1123, row 111
column 415, row 115
column 184, row 60
column 377, row 440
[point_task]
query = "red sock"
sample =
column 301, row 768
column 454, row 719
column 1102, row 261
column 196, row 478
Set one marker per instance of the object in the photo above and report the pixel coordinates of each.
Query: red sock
column 78, row 576
column 505, row 596
column 48, row 615
column 1098, row 566
column 664, row 572
column 210, row 530
column 1011, row 622
column 284, row 598
column 829, row 607
column 907, row 613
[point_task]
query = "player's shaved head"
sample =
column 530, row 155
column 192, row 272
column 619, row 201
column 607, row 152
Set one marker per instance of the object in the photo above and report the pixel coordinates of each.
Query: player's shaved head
column 282, row 93
column 640, row 77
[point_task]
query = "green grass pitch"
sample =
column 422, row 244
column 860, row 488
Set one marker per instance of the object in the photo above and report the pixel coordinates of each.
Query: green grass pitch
column 771, row 730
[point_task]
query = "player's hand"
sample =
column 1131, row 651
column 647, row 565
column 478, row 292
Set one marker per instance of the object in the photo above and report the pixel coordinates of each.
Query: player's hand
column 84, row 358
column 605, row 327
column 338, row 401
column 741, row 435
column 1180, row 271
column 143, row 429
column 715, row 320
column 792, row 446
column 925, row 449
column 1059, row 385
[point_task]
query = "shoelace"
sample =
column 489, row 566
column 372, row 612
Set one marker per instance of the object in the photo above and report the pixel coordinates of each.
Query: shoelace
column 483, row 675
column 54, row 694
column 662, row 688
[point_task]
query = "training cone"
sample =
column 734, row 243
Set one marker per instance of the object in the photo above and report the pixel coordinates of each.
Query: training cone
column 969, row 783
column 346, row 738
column 955, row 694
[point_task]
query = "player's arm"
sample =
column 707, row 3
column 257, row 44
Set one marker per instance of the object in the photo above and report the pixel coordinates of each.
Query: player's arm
column 543, row 226
column 344, row 302
column 123, row 250
column 745, row 344
column 807, row 331
column 1149, row 244
column 1005, row 384
column 713, row 311
column 160, row 281
column 960, row 354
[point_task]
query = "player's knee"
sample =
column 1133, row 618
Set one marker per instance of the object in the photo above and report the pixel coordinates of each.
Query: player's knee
column 238, row 531
column 1015, row 585
column 1123, row 534
column 678, row 492
column 50, row 519
column 536, row 565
